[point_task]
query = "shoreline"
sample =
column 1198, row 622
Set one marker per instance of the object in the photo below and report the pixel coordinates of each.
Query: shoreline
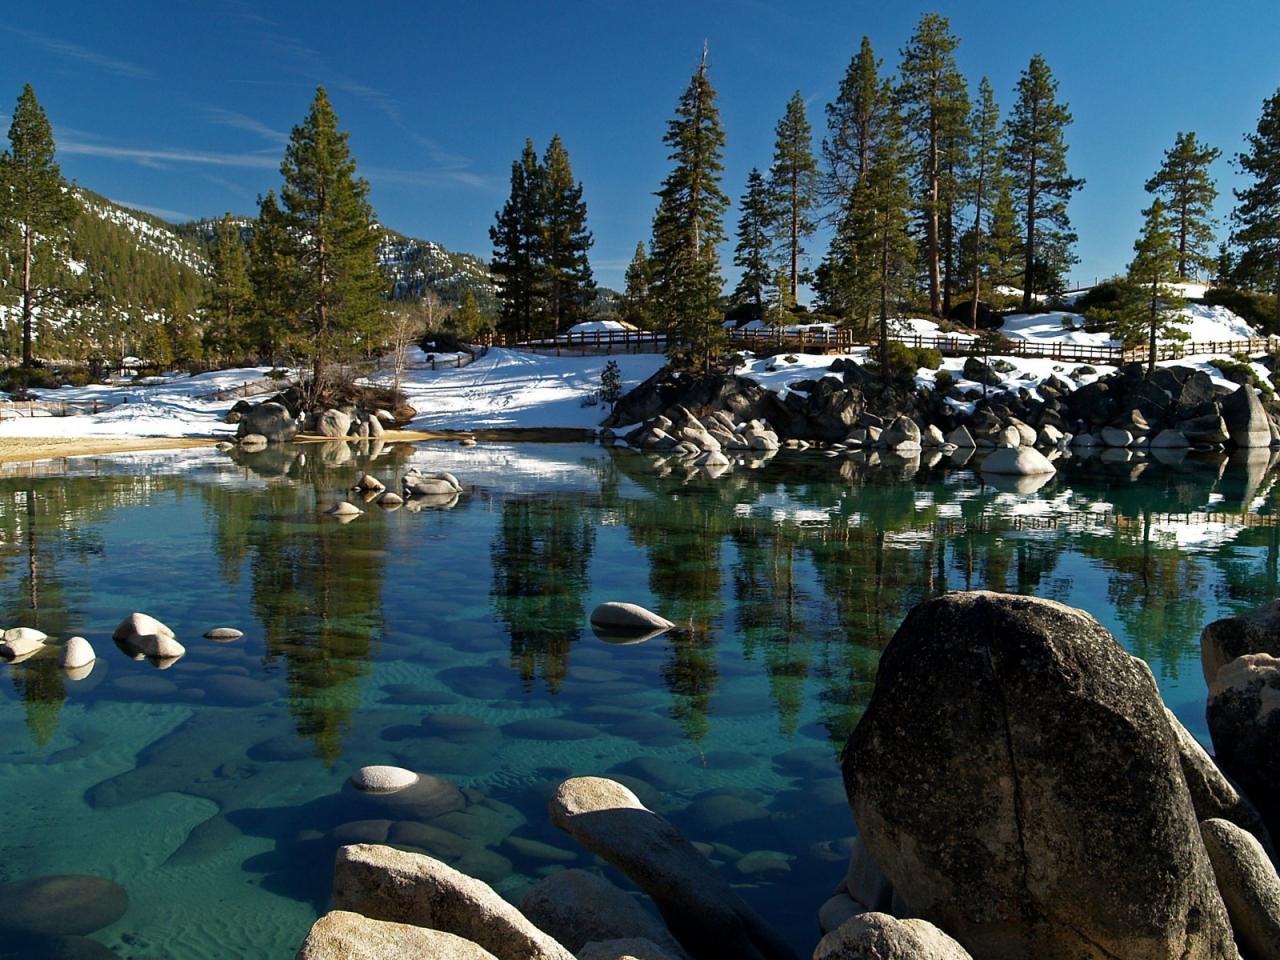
column 32, row 449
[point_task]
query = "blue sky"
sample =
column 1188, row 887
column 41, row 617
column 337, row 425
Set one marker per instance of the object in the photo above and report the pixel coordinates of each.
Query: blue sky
column 183, row 108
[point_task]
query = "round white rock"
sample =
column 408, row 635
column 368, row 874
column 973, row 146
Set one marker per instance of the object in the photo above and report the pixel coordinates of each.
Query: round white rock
column 383, row 779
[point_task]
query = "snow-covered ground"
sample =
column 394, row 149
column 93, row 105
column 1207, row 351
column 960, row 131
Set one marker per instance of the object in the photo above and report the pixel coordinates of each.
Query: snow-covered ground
column 162, row 407
column 513, row 389
column 510, row 388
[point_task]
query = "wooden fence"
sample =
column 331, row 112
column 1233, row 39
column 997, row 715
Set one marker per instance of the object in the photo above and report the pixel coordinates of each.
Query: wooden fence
column 949, row 344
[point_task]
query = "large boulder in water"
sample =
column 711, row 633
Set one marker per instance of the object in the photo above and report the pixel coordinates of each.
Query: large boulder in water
column 879, row 936
column 1247, row 423
column 333, row 423
column 341, row 935
column 1016, row 778
column 270, row 420
column 1255, row 631
column 399, row 887
column 1245, row 726
column 577, row 907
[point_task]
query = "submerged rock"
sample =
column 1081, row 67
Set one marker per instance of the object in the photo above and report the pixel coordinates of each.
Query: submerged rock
column 67, row 905
column 223, row 634
column 577, row 907
column 341, row 935
column 388, row 884
column 701, row 910
column 344, row 508
column 1043, row 813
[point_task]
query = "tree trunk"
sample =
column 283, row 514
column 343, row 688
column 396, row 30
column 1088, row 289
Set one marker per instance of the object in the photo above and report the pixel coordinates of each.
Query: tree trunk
column 948, row 259
column 931, row 223
column 884, row 305
column 977, row 249
column 1155, row 316
column 795, row 236
column 1031, row 238
column 1182, row 242
column 26, row 297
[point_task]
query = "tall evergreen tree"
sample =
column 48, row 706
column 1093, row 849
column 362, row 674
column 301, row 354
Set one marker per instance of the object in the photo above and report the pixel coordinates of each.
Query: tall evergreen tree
column 1184, row 183
column 517, row 248
column 851, row 123
column 229, row 298
column 935, row 105
column 752, row 251
column 637, row 301
column 984, row 168
column 333, row 239
column 880, row 226
column 566, row 272
column 688, row 224
column 1036, row 159
column 855, row 122
column 793, row 185
column 37, row 208
column 1256, row 218
column 272, row 274
column 1149, row 307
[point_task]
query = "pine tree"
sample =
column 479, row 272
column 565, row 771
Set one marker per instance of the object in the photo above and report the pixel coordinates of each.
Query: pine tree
column 467, row 322
column 37, row 207
column 1256, row 217
column 570, row 288
column 1004, row 242
column 793, row 185
column 271, row 323
column 752, row 251
column 611, row 383
column 637, row 303
column 984, row 168
column 855, row 122
column 1150, row 308
column 1036, row 159
column 225, row 307
column 333, row 240
column 687, row 226
column 935, row 107
column 517, row 248
column 879, row 230
column 851, row 122
column 1184, row 183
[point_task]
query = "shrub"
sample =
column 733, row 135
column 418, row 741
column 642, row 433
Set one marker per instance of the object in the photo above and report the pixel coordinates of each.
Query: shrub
column 77, row 377
column 943, row 382
column 902, row 355
column 19, row 379
column 1242, row 373
column 1257, row 309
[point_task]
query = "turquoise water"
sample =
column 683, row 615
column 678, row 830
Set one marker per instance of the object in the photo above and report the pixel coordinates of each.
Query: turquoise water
column 455, row 642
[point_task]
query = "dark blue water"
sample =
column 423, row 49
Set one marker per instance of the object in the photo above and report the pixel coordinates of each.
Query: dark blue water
column 455, row 642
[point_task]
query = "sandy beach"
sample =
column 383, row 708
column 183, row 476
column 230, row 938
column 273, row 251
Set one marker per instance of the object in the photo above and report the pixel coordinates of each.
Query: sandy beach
column 16, row 449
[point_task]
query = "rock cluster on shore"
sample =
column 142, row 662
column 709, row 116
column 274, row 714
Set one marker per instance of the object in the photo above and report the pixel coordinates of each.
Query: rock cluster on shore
column 1020, row 791
column 707, row 421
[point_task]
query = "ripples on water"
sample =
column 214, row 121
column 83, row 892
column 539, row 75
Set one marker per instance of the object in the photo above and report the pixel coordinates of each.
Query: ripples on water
column 456, row 643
